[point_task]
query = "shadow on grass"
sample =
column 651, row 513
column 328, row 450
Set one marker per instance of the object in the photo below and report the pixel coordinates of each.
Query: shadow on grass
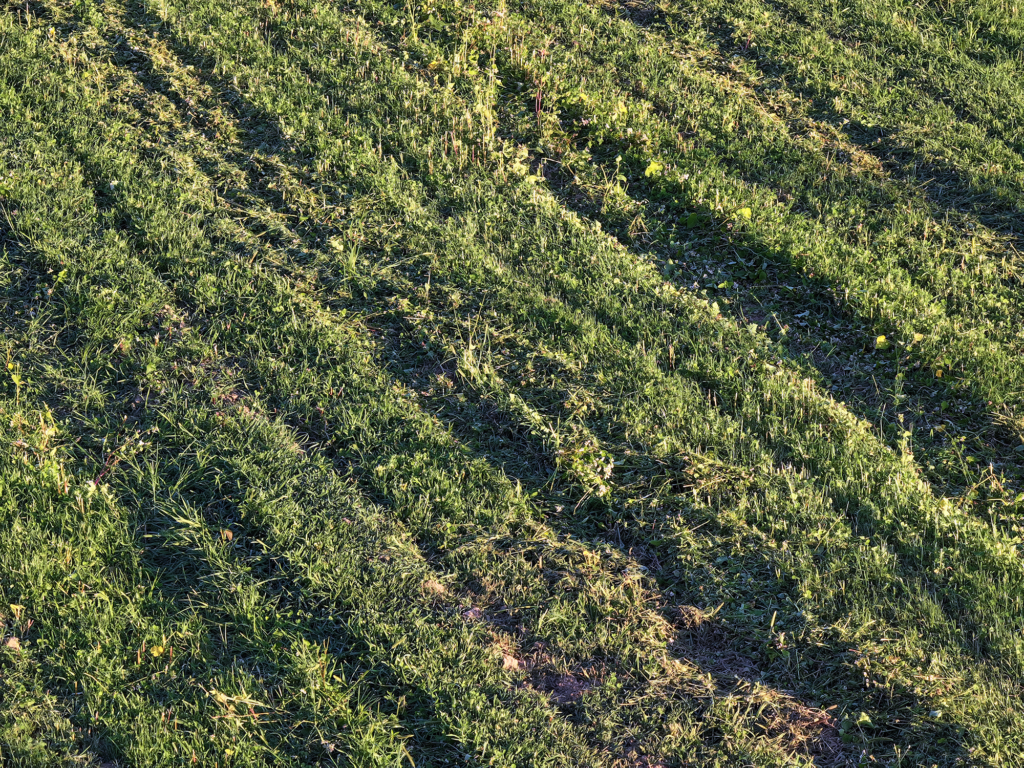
column 186, row 583
column 946, row 188
column 896, row 391
column 219, row 489
column 737, row 651
column 820, row 332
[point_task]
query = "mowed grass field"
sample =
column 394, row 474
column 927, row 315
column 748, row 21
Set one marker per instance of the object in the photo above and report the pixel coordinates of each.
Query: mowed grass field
column 540, row 383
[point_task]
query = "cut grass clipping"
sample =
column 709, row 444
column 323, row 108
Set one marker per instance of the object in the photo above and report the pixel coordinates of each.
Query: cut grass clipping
column 551, row 383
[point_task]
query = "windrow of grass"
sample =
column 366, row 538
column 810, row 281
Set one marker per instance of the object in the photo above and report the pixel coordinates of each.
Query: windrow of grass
column 899, row 75
column 431, row 468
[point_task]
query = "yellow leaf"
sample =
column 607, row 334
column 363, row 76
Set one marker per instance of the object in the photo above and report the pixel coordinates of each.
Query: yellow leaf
column 654, row 169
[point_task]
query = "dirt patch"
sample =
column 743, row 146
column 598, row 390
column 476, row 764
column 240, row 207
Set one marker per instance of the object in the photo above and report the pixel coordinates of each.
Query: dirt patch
column 710, row 646
column 641, row 13
column 564, row 686
column 634, row 758
column 510, row 662
column 504, row 622
column 563, row 689
column 690, row 617
column 432, row 587
column 797, row 727
column 778, row 715
column 506, row 649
